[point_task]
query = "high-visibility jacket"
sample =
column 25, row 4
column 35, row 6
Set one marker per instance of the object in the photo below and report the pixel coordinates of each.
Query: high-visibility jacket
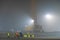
column 29, row 36
column 32, row 36
column 25, row 35
column 8, row 34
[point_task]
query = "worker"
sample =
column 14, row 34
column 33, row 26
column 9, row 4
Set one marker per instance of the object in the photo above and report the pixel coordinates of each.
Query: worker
column 21, row 34
column 17, row 34
column 32, row 35
column 8, row 34
column 28, row 35
column 25, row 35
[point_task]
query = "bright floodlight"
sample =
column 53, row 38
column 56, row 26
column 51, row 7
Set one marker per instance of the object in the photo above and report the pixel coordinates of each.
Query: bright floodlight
column 48, row 16
column 32, row 21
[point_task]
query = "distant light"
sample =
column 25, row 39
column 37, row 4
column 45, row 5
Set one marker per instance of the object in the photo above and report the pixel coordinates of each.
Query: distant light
column 32, row 21
column 29, row 26
column 48, row 16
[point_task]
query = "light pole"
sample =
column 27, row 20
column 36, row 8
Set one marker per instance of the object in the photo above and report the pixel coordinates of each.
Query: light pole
column 34, row 15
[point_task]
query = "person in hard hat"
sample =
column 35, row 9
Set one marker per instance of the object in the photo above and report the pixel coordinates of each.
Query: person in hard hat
column 8, row 34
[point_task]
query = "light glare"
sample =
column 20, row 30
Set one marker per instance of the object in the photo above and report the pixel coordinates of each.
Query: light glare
column 32, row 21
column 48, row 16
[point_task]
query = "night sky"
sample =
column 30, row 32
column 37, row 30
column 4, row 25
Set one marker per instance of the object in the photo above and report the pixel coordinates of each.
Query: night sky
column 15, row 14
column 51, row 7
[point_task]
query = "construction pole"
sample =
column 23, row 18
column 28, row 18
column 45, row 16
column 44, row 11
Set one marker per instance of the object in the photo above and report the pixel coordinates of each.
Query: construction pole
column 34, row 15
column 33, row 9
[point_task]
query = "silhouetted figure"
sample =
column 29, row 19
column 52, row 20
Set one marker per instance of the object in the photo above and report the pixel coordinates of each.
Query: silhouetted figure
column 21, row 34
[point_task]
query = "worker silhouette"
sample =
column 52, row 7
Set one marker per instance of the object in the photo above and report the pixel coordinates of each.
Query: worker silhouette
column 21, row 34
column 8, row 34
